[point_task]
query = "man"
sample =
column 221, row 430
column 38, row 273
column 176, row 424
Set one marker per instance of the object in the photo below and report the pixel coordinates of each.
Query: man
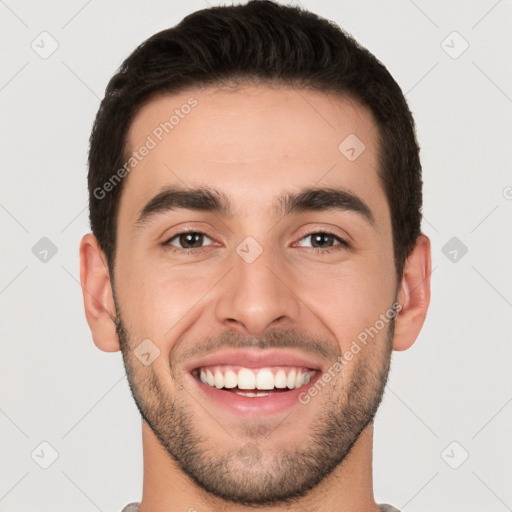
column 255, row 199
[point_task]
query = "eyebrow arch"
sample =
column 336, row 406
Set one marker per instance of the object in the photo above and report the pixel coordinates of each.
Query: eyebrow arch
column 210, row 200
column 172, row 198
column 320, row 199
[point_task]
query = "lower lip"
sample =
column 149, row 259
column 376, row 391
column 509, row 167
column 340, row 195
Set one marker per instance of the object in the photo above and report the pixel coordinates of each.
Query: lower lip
column 255, row 406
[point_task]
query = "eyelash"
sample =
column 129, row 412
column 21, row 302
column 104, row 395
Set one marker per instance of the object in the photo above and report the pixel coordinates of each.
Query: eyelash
column 343, row 244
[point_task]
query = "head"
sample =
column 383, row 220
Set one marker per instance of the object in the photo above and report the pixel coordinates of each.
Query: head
column 255, row 195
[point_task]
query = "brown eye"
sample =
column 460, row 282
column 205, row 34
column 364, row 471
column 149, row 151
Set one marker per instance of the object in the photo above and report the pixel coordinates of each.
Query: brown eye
column 192, row 240
column 322, row 240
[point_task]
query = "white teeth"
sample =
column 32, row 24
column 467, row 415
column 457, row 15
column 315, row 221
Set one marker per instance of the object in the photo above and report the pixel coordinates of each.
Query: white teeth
column 246, row 379
column 251, row 394
column 219, row 380
column 299, row 379
column 280, row 380
column 230, row 379
column 291, row 379
column 265, row 379
column 261, row 379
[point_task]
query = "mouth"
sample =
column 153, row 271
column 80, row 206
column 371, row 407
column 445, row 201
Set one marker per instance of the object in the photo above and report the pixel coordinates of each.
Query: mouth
column 254, row 384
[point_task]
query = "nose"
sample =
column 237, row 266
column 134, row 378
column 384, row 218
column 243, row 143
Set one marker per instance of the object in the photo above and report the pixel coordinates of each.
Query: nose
column 258, row 295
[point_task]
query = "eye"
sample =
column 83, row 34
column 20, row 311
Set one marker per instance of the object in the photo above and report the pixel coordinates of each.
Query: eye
column 188, row 240
column 323, row 241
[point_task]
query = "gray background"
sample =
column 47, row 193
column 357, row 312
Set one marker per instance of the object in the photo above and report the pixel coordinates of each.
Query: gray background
column 453, row 385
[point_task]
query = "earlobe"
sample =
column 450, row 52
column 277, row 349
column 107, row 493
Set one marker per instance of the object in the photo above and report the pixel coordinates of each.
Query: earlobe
column 413, row 295
column 97, row 293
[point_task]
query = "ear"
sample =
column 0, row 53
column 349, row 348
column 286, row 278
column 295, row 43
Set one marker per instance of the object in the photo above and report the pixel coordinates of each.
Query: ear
column 413, row 295
column 97, row 292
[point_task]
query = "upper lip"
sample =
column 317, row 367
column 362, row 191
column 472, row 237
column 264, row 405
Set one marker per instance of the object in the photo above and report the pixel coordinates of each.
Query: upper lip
column 255, row 358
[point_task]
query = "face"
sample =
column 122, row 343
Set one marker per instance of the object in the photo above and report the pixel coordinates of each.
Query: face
column 255, row 258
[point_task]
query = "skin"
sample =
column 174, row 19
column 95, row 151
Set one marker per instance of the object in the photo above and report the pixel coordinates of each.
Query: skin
column 254, row 143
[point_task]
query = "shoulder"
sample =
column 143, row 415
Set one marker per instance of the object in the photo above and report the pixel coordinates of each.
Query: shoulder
column 387, row 508
column 131, row 507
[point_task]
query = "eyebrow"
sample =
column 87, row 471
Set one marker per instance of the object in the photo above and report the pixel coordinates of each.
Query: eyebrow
column 210, row 200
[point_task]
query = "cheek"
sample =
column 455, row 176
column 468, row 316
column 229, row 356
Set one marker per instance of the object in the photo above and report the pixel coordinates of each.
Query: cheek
column 349, row 301
column 157, row 298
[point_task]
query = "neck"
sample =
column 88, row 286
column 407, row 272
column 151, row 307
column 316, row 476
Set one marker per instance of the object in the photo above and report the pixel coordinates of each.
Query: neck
column 167, row 489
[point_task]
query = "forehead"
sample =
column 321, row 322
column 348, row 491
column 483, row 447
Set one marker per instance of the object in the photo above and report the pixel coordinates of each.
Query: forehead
column 252, row 143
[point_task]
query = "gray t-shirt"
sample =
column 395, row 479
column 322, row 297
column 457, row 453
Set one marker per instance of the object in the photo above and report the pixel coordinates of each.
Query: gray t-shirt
column 134, row 507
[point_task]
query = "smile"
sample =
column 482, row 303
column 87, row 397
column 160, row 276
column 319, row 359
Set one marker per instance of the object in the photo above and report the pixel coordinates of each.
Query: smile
column 253, row 383
column 262, row 380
